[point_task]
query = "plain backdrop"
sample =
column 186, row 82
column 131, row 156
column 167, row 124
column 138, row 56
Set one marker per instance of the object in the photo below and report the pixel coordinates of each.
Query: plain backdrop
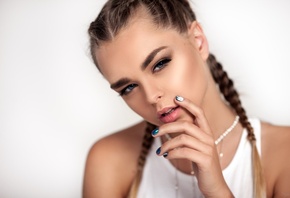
column 54, row 104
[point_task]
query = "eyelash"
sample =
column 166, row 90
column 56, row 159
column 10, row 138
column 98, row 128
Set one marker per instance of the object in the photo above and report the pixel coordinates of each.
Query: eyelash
column 125, row 92
column 159, row 66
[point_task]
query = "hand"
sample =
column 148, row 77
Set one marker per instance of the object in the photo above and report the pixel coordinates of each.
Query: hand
column 195, row 142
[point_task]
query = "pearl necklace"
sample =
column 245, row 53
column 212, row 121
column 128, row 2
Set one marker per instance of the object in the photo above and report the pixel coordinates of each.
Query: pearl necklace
column 217, row 141
column 230, row 129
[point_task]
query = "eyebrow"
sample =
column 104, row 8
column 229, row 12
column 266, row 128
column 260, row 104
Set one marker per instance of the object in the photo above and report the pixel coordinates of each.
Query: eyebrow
column 151, row 56
column 144, row 65
column 120, row 83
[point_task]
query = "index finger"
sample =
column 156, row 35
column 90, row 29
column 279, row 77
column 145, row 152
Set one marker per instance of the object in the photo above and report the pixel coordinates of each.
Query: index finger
column 196, row 111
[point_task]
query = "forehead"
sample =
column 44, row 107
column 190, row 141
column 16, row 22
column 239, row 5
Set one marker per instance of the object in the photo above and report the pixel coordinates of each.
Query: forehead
column 126, row 52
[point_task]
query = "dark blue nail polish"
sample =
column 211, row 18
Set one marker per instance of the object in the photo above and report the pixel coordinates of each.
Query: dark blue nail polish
column 155, row 131
column 165, row 154
column 158, row 151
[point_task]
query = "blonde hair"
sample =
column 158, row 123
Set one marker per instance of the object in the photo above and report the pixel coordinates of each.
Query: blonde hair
column 176, row 14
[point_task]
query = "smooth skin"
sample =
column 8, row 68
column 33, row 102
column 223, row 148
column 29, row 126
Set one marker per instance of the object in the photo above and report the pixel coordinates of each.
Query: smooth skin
column 179, row 68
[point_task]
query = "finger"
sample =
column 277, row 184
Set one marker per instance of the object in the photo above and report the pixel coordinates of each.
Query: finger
column 196, row 111
column 184, row 127
column 184, row 140
column 186, row 153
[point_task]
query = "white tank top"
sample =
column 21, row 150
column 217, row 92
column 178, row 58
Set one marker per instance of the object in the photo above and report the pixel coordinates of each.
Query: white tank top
column 159, row 175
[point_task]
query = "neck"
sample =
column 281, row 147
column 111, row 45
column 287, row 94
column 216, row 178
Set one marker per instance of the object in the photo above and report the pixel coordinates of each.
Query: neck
column 218, row 113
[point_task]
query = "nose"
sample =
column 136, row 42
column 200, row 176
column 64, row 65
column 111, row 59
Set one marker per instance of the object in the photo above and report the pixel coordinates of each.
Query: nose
column 153, row 92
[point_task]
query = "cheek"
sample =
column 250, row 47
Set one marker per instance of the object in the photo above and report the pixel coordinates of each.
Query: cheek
column 139, row 106
column 136, row 106
column 189, row 80
column 196, row 85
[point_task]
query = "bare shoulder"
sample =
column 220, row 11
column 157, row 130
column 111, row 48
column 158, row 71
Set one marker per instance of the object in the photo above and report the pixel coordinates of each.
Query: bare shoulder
column 111, row 163
column 275, row 158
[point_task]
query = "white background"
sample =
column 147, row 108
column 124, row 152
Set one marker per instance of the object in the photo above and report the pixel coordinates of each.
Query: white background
column 54, row 104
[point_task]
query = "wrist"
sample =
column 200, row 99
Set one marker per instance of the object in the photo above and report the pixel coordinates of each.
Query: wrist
column 222, row 193
column 225, row 194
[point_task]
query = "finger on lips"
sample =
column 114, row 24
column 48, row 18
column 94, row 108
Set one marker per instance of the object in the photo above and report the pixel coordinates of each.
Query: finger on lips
column 194, row 110
column 191, row 136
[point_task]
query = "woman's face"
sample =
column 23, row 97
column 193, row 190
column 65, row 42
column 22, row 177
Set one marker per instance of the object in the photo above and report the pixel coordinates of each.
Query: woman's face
column 149, row 66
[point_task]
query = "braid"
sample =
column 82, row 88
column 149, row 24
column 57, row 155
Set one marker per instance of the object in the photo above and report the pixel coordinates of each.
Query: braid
column 229, row 92
column 146, row 145
column 176, row 14
column 226, row 86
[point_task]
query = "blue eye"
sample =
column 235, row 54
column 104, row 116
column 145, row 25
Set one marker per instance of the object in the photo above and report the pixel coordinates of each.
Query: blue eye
column 160, row 65
column 127, row 89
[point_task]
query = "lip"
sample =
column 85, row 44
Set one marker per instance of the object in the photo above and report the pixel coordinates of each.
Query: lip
column 169, row 114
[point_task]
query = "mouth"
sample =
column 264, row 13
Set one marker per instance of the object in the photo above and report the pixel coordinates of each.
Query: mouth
column 169, row 114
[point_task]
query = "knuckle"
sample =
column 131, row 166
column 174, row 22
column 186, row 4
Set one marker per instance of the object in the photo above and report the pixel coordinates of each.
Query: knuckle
column 185, row 125
column 211, row 141
column 200, row 111
column 208, row 139
column 182, row 137
column 183, row 151
column 210, row 150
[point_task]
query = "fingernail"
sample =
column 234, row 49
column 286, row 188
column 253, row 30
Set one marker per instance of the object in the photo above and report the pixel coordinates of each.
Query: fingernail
column 155, row 131
column 179, row 98
column 158, row 151
column 165, row 154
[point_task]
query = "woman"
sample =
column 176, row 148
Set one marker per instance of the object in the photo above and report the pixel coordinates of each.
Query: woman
column 155, row 54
